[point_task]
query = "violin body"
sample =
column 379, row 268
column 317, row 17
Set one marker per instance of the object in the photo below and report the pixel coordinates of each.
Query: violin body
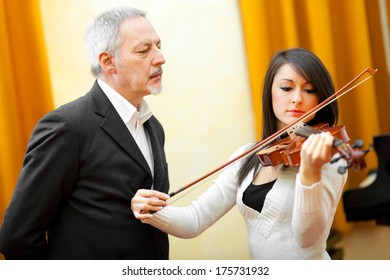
column 273, row 155
column 288, row 150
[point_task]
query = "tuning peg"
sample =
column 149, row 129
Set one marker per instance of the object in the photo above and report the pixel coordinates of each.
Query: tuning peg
column 343, row 169
column 359, row 143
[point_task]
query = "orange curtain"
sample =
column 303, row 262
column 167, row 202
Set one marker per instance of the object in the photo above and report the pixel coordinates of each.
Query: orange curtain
column 348, row 36
column 25, row 90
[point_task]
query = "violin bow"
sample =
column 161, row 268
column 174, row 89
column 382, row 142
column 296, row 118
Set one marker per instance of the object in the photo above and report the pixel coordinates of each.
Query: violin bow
column 289, row 128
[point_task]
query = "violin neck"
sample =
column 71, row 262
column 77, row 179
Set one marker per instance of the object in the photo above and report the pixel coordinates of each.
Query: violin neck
column 306, row 131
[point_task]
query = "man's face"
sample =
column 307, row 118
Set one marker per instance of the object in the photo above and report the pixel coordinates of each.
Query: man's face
column 139, row 60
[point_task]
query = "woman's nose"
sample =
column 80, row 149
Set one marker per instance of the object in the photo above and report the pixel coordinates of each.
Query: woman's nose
column 297, row 97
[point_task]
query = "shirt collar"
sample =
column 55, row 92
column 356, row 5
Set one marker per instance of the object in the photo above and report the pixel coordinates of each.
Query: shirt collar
column 128, row 113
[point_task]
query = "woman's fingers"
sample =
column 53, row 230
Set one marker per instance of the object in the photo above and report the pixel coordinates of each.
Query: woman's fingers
column 146, row 201
column 317, row 149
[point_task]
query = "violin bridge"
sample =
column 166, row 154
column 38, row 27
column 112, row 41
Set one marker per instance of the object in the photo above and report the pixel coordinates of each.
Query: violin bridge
column 294, row 128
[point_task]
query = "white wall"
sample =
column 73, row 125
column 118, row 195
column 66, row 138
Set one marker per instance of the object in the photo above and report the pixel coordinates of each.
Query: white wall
column 205, row 105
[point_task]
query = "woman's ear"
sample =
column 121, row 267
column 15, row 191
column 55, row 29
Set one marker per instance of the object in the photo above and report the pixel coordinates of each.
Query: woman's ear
column 107, row 62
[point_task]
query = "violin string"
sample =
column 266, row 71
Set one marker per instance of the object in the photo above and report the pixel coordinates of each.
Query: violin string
column 306, row 131
column 264, row 143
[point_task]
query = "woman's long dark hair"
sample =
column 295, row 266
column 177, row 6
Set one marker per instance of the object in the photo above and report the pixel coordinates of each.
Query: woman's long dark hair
column 311, row 68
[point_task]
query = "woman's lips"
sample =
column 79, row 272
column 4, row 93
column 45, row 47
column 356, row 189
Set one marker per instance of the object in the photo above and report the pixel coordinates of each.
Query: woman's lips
column 296, row 112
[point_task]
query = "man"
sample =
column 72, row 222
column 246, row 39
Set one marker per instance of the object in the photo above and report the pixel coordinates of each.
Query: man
column 87, row 159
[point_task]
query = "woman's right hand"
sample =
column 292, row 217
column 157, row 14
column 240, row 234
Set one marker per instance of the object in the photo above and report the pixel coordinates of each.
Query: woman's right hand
column 146, row 201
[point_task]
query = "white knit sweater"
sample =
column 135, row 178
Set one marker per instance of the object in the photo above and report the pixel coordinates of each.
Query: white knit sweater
column 294, row 223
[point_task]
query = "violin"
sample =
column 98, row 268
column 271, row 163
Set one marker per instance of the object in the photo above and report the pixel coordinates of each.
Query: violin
column 290, row 128
column 287, row 150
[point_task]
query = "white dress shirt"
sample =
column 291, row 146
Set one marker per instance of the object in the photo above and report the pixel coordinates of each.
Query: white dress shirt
column 133, row 118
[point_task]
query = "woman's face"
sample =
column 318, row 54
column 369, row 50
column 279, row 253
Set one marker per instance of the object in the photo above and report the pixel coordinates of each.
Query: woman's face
column 292, row 96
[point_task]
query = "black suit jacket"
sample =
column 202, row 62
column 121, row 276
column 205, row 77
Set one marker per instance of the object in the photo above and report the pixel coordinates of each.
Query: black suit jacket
column 72, row 199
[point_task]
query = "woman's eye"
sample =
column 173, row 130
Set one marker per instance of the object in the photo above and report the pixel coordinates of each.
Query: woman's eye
column 286, row 88
column 311, row 91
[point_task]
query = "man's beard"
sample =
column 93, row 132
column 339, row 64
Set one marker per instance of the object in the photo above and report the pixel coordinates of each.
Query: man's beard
column 155, row 90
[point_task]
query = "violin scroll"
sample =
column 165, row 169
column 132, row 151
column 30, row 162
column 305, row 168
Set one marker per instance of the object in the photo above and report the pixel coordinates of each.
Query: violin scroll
column 356, row 159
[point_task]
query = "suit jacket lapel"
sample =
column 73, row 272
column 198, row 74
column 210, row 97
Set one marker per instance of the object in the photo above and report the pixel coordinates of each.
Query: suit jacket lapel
column 113, row 125
column 158, row 155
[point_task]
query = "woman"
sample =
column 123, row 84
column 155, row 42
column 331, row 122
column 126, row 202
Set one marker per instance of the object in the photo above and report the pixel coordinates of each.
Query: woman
column 288, row 210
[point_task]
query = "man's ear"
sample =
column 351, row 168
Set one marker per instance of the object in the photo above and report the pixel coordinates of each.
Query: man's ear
column 107, row 63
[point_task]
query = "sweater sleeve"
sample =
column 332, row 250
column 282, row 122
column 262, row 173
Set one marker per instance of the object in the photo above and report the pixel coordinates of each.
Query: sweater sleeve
column 192, row 220
column 315, row 205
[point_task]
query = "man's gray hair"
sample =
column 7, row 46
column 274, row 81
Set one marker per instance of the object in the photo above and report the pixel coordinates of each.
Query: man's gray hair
column 103, row 34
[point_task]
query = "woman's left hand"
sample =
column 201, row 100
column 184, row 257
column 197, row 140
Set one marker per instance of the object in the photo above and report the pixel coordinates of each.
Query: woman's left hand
column 315, row 152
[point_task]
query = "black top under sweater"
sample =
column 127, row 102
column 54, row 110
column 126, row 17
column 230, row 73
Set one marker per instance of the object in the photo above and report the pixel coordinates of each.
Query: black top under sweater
column 254, row 195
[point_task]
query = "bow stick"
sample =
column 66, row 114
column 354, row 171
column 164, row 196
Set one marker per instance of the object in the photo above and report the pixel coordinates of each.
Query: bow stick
column 289, row 128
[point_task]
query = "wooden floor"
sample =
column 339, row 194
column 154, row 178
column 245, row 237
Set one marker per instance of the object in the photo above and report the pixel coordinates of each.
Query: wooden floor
column 367, row 241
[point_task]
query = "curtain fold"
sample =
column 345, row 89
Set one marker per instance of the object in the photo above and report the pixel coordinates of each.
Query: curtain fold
column 347, row 36
column 25, row 90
